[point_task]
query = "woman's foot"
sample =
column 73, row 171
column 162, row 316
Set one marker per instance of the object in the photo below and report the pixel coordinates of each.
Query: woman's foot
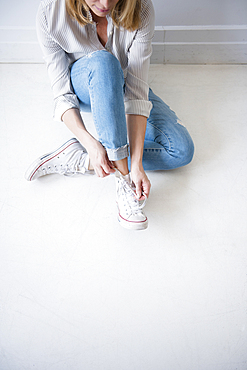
column 130, row 214
column 69, row 159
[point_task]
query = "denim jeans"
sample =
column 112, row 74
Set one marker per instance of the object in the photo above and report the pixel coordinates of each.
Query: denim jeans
column 98, row 82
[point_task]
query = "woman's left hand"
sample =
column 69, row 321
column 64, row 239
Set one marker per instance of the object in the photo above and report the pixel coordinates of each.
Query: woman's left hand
column 141, row 182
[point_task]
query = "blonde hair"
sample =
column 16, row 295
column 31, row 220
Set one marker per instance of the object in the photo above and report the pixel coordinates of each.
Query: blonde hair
column 126, row 13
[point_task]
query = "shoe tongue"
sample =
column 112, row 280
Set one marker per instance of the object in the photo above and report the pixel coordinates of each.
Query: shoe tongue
column 127, row 178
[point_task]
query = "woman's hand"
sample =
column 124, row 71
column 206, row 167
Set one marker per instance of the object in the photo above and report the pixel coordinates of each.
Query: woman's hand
column 136, row 125
column 141, row 182
column 99, row 159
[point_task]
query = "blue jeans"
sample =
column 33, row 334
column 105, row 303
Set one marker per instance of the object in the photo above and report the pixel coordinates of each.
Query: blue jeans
column 98, row 82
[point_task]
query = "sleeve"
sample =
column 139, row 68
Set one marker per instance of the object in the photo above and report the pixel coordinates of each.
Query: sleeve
column 136, row 83
column 57, row 63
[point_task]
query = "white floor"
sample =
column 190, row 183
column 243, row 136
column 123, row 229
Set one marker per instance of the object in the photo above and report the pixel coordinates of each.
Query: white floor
column 78, row 292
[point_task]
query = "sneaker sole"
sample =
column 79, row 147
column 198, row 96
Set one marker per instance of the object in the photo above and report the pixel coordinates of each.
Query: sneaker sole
column 132, row 225
column 33, row 168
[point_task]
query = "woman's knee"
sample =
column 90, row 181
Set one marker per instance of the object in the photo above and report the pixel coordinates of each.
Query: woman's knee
column 106, row 65
column 184, row 148
column 179, row 146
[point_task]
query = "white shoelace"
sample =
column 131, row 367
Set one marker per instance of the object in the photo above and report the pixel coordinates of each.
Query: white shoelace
column 75, row 164
column 128, row 191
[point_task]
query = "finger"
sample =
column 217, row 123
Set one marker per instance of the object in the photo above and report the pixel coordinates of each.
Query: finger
column 112, row 166
column 104, row 168
column 100, row 172
column 145, row 191
column 146, row 187
column 138, row 190
column 107, row 168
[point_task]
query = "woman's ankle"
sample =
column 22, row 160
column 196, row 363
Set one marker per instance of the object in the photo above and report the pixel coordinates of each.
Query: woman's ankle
column 122, row 166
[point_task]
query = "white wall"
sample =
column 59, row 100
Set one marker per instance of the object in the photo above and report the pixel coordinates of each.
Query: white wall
column 191, row 31
column 200, row 12
column 200, row 31
column 21, row 13
column 18, row 13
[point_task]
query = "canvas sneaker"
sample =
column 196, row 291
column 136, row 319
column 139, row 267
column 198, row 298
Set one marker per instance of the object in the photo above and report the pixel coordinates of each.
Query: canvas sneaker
column 130, row 213
column 69, row 159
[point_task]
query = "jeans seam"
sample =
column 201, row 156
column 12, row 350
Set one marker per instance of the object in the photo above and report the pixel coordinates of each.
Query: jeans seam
column 170, row 145
column 94, row 115
column 92, row 103
column 152, row 149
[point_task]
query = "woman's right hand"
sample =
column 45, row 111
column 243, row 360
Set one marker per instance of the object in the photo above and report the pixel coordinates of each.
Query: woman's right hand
column 99, row 159
column 98, row 156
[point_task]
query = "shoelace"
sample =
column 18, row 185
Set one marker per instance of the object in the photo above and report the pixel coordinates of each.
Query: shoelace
column 128, row 190
column 73, row 165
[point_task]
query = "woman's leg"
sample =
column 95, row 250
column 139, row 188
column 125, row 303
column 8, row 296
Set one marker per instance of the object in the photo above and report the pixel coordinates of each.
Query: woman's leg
column 168, row 144
column 98, row 81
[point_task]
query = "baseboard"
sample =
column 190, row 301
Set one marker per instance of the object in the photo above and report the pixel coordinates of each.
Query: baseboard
column 171, row 44
column 19, row 45
column 200, row 45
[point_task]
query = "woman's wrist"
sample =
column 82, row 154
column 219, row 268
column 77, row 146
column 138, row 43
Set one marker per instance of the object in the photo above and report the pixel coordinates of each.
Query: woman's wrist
column 136, row 165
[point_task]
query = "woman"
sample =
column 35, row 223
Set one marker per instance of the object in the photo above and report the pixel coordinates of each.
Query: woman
column 97, row 54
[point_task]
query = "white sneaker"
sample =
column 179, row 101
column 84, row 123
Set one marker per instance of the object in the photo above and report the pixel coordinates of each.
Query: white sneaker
column 69, row 159
column 130, row 214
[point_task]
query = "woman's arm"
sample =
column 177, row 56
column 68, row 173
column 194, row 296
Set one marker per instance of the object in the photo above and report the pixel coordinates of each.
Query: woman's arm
column 136, row 126
column 136, row 82
column 97, row 153
column 51, row 22
column 137, row 104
